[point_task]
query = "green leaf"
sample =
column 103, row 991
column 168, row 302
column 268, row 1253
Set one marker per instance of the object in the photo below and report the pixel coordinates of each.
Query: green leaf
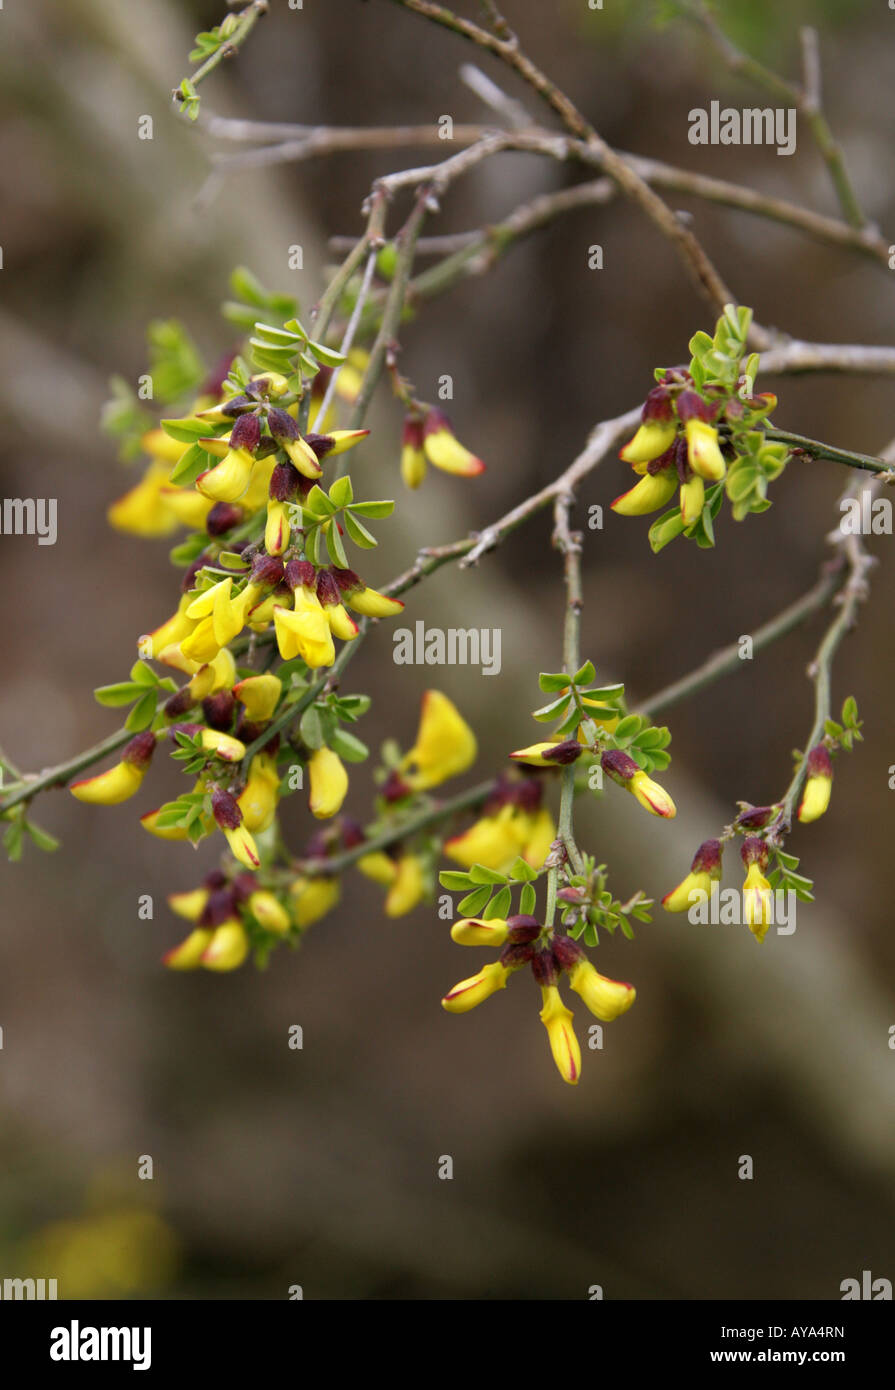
column 627, row 728
column 42, row 838
column 330, row 357
column 499, row 906
column 143, row 674
column 850, row 713
column 585, row 674
column 341, row 492
column 553, row 710
column 663, row 531
column 335, row 546
column 317, row 502
column 311, row 728
column 190, row 465
column 376, row 510
column 358, row 532
column 143, row 712
column 188, row 430
column 522, row 871
column 552, row 681
column 122, row 693
column 473, row 902
column 12, row 839
column 347, row 746
column 454, row 881
column 528, row 900
column 480, row 874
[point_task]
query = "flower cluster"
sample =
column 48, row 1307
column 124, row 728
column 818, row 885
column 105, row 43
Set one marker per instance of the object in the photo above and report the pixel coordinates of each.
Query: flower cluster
column 701, row 433
column 524, row 941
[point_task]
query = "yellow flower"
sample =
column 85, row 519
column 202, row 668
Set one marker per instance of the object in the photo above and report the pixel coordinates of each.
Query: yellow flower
column 539, row 838
column 378, row 866
column 189, row 905
column 443, row 450
column 622, row 768
column 258, row 799
column 703, row 454
column 549, row 753
column 229, row 818
column 259, row 695
column 269, row 911
column 363, row 599
column 408, row 888
column 120, row 782
column 469, row 993
column 341, row 623
column 170, row 632
column 652, row 492
column 143, row 511
column 818, row 787
column 277, row 529
column 228, row 481
column 557, row 1019
column 445, row 744
column 306, row 634
column 605, row 998
column 329, row 783
column 413, row 457
column 312, row 898
column 186, row 505
column 492, row 841
column 228, row 947
column 188, row 955
column 757, row 891
column 653, row 437
column 475, row 931
column 704, row 871
column 692, row 499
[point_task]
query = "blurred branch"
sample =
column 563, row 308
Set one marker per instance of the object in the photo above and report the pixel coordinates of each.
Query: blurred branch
column 805, row 99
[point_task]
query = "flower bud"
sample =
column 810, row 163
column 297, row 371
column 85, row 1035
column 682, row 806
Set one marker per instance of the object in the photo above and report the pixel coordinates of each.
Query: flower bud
column 557, row 1019
column 269, row 911
column 413, row 457
column 704, row 871
column 819, row 785
column 605, row 998
column 188, row 955
column 549, row 754
column 443, row 450
column 363, row 599
column 228, row 947
column 120, row 782
column 651, row 493
column 329, row 783
column 407, row 888
column 469, row 993
column 476, row 931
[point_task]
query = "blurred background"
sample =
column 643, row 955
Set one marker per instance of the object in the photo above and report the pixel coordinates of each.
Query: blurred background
column 274, row 1167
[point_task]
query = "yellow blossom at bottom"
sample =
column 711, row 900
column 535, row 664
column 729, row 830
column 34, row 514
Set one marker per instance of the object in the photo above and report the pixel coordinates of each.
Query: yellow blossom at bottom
column 557, row 1019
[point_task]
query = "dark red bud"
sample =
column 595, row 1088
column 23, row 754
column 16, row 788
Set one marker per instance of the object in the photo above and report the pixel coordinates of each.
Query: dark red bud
column 513, row 955
column 522, row 929
column 437, row 420
column 543, row 967
column 395, row 788
column 691, row 406
column 301, row 574
column 267, row 570
column 179, row 703
column 222, row 517
column 281, row 424
column 236, row 405
column 243, row 886
column 215, row 879
column 564, row 753
column 225, row 809
column 320, row 443
column 140, row 749
column 566, row 952
column 219, row 907
column 412, row 432
column 620, row 766
column 219, row 710
column 755, row 818
column 819, row 762
column 348, row 581
column 576, row 896
column 246, row 433
column 707, row 858
column 754, row 851
column 352, row 834
column 284, row 482
column 327, row 589
column 658, row 406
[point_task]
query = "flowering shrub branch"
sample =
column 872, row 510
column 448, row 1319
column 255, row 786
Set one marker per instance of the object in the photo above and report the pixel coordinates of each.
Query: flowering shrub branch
column 250, row 459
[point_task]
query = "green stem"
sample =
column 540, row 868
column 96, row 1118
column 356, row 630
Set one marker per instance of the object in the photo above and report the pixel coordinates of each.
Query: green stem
column 244, row 26
column 819, row 450
column 59, row 775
